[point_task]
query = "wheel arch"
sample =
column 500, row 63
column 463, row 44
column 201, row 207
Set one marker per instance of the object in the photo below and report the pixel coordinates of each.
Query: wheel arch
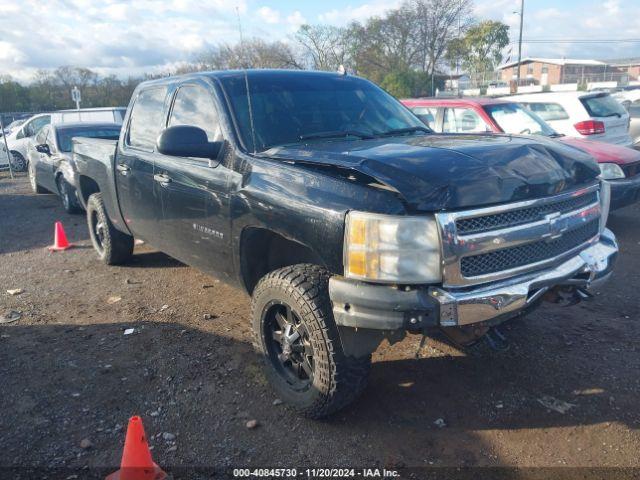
column 263, row 250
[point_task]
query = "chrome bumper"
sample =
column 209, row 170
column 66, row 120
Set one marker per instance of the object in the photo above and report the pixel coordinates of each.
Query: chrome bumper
column 383, row 307
column 591, row 266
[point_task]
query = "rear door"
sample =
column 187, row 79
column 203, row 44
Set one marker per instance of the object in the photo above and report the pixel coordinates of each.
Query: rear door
column 602, row 107
column 463, row 120
column 194, row 192
column 139, row 203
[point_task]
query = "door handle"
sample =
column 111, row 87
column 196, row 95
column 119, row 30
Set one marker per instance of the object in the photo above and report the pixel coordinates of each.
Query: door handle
column 162, row 179
column 123, row 169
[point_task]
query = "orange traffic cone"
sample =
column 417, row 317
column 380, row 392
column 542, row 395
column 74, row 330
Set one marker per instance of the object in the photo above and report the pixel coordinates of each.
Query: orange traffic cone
column 137, row 463
column 60, row 241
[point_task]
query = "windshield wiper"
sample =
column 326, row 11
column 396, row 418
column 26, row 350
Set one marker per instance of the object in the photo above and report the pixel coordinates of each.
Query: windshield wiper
column 335, row 134
column 401, row 131
column 556, row 135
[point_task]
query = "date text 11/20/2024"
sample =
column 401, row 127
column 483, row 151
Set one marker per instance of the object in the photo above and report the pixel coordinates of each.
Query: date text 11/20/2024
column 315, row 473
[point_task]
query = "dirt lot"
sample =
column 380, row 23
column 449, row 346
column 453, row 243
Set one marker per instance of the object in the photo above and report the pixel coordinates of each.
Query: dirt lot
column 68, row 373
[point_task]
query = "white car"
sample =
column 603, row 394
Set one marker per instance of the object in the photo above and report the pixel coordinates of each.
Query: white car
column 592, row 116
column 18, row 140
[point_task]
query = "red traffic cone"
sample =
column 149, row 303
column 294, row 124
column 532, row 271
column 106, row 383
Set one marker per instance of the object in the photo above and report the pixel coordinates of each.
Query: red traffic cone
column 137, row 463
column 60, row 241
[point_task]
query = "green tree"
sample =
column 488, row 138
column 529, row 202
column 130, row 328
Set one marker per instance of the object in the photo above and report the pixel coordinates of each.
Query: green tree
column 480, row 50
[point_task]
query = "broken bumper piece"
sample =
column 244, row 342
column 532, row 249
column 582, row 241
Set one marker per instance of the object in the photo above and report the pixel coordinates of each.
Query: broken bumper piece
column 383, row 307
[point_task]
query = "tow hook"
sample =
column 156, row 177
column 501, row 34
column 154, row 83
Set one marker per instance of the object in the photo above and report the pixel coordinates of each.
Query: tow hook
column 496, row 340
column 567, row 296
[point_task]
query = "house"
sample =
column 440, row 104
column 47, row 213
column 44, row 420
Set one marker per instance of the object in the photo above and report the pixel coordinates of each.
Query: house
column 552, row 71
column 630, row 66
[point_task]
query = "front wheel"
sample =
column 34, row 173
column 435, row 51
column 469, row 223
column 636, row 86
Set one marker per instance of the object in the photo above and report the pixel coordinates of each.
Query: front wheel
column 297, row 336
column 113, row 246
column 67, row 195
column 18, row 163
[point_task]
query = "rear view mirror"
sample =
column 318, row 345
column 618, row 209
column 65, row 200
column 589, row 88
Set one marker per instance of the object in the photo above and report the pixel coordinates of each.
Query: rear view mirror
column 43, row 148
column 187, row 141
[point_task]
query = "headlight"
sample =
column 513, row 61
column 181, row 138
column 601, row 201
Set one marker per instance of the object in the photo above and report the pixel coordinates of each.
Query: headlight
column 610, row 171
column 605, row 203
column 392, row 249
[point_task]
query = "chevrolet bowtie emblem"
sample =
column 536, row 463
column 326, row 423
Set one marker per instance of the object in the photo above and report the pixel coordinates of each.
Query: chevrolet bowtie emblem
column 557, row 225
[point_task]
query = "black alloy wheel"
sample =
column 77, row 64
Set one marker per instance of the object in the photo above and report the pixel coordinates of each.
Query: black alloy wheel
column 288, row 344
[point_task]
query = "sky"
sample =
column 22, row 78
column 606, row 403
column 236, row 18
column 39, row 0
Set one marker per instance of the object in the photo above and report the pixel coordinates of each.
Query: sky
column 134, row 37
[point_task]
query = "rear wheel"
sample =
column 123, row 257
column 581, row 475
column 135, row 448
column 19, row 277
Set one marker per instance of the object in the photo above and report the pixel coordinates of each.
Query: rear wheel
column 35, row 188
column 297, row 336
column 67, row 195
column 113, row 246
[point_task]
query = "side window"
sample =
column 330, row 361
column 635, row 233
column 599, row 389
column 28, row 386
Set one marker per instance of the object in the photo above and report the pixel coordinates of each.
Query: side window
column 38, row 123
column 427, row 115
column 195, row 106
column 463, row 120
column 548, row 111
column 146, row 118
column 41, row 137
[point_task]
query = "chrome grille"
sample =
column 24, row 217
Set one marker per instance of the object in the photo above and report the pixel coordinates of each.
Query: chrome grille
column 514, row 257
column 631, row 169
column 494, row 243
column 525, row 215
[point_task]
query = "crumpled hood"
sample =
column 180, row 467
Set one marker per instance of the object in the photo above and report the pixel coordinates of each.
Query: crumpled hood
column 438, row 172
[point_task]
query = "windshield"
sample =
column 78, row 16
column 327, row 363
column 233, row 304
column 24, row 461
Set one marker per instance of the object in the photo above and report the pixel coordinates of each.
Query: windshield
column 517, row 120
column 65, row 135
column 299, row 108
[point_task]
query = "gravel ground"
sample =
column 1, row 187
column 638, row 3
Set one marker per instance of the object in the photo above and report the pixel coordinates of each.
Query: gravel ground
column 566, row 394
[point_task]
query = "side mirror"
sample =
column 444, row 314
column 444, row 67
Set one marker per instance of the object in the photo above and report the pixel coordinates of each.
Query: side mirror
column 43, row 148
column 187, row 141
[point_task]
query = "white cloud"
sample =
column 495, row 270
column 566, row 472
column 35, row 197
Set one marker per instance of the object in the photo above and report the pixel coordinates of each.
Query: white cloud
column 359, row 13
column 296, row 19
column 269, row 15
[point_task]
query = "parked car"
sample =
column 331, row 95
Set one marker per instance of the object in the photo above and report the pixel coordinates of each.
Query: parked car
column 634, row 124
column 94, row 115
column 12, row 126
column 619, row 165
column 594, row 116
column 51, row 166
column 343, row 216
column 18, row 140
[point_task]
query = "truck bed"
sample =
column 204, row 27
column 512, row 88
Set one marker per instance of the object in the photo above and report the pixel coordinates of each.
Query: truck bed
column 94, row 161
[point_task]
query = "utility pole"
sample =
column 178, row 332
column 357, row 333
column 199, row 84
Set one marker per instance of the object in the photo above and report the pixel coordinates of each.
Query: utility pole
column 6, row 146
column 520, row 44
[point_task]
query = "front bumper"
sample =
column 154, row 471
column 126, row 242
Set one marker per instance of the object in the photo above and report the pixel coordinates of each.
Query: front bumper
column 624, row 192
column 383, row 307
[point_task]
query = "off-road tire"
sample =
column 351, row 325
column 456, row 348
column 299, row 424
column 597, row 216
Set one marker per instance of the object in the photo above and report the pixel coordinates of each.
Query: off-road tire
column 113, row 246
column 69, row 202
column 33, row 181
column 337, row 379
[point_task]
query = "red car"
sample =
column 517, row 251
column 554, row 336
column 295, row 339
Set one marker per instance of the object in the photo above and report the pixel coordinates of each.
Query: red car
column 619, row 165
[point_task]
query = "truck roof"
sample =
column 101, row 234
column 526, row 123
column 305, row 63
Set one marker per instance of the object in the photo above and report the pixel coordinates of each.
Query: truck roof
column 251, row 73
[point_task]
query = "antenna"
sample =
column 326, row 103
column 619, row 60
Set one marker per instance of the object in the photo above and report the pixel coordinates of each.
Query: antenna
column 243, row 57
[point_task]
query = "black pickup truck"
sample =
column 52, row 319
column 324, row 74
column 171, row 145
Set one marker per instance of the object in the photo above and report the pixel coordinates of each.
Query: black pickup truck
column 345, row 219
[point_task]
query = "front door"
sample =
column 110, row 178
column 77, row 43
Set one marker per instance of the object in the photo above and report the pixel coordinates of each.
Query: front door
column 134, row 166
column 194, row 192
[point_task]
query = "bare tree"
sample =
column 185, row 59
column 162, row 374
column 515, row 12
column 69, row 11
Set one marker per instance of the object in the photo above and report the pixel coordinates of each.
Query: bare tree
column 324, row 47
column 438, row 22
column 253, row 53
